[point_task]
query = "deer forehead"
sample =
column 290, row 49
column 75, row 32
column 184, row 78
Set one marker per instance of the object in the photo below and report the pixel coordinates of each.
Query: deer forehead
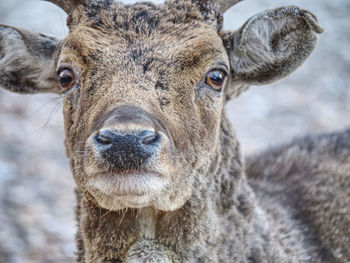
column 174, row 48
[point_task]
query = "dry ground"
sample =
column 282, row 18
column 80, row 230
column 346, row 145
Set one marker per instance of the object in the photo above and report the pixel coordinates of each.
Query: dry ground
column 36, row 187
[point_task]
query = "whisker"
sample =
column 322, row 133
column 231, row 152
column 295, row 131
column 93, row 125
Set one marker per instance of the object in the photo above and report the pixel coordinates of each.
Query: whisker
column 126, row 210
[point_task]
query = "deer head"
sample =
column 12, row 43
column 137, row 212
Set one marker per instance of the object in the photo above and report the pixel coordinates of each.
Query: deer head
column 144, row 87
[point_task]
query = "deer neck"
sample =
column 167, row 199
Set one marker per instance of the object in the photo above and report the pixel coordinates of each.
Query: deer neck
column 213, row 214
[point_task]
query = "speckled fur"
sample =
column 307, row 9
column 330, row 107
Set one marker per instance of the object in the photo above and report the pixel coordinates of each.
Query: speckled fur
column 310, row 180
column 155, row 57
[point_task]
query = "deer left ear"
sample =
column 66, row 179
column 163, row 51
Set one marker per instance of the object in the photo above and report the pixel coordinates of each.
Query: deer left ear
column 27, row 61
column 271, row 45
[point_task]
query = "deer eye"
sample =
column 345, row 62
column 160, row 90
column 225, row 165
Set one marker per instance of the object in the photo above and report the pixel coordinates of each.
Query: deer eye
column 66, row 79
column 215, row 79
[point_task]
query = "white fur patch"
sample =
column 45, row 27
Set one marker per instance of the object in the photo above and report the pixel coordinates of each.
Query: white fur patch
column 126, row 191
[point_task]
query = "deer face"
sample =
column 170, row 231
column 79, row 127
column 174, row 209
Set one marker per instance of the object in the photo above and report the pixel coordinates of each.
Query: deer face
column 144, row 104
column 144, row 88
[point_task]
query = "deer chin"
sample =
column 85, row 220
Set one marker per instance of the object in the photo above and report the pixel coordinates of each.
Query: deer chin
column 118, row 191
column 115, row 191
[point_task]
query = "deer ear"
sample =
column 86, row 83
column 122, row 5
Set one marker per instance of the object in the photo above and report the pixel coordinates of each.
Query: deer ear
column 27, row 61
column 271, row 45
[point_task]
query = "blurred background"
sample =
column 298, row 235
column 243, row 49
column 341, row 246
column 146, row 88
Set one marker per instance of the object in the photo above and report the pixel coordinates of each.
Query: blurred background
column 36, row 187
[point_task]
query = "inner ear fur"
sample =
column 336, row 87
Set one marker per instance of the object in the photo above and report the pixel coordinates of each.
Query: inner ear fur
column 271, row 45
column 27, row 61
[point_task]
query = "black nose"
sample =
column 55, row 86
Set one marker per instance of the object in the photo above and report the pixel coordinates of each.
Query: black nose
column 126, row 150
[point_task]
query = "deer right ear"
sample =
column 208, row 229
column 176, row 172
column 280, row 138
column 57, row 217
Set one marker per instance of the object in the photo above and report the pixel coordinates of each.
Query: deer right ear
column 271, row 45
column 27, row 61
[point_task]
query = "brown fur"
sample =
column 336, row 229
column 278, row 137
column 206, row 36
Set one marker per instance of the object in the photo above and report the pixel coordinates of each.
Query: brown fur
column 153, row 59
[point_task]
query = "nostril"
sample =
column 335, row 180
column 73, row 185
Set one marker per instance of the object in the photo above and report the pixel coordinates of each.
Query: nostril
column 104, row 137
column 126, row 149
column 149, row 137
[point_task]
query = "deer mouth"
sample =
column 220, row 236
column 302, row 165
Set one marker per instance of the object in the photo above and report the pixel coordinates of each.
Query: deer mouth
column 129, row 172
column 126, row 189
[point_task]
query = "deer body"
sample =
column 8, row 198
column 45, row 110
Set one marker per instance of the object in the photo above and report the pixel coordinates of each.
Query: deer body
column 248, row 232
column 159, row 172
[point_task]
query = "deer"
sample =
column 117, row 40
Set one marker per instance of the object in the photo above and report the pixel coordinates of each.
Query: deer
column 159, row 171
